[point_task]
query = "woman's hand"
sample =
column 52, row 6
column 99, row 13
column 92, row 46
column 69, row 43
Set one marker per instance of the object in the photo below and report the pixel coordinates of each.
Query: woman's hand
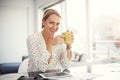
column 68, row 37
column 58, row 40
column 72, row 37
column 68, row 47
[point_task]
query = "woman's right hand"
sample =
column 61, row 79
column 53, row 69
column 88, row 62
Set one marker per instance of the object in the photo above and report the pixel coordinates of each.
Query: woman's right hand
column 58, row 40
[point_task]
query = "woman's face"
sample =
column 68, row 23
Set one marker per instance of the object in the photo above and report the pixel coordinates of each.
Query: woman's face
column 51, row 24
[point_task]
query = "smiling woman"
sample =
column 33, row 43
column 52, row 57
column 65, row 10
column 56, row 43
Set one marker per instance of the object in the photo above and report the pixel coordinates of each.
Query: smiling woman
column 46, row 51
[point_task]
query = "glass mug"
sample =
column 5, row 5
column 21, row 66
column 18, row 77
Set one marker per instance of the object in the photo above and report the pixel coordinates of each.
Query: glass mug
column 67, row 37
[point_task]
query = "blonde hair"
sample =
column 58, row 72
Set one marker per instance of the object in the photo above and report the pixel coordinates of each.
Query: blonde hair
column 49, row 12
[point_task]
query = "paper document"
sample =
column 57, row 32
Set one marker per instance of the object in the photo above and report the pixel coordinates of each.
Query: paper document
column 89, row 76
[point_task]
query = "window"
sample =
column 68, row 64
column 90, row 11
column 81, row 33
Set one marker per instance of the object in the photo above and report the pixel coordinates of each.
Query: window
column 92, row 22
column 105, row 23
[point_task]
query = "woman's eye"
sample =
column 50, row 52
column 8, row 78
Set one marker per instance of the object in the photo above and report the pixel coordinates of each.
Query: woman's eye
column 51, row 22
column 58, row 24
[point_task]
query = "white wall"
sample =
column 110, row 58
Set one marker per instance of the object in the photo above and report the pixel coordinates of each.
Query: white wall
column 18, row 19
column 16, row 23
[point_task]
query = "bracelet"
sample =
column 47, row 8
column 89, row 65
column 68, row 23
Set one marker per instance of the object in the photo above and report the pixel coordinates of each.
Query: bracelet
column 68, row 46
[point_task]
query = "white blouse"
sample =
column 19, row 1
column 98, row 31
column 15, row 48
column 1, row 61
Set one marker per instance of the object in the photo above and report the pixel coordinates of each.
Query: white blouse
column 38, row 55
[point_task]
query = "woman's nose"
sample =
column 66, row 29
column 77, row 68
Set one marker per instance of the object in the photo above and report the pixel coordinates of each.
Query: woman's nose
column 55, row 26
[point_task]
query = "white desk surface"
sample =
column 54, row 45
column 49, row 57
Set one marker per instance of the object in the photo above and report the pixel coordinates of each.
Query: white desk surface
column 99, row 72
column 108, row 71
column 12, row 76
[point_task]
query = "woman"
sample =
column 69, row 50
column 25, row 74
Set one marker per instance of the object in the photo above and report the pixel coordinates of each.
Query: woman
column 47, row 52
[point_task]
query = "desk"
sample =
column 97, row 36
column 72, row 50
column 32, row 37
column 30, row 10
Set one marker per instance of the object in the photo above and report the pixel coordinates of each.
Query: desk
column 99, row 72
column 76, row 72
column 109, row 71
column 80, row 76
column 12, row 76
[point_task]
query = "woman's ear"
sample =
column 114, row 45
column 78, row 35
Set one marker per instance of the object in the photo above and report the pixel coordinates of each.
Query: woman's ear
column 42, row 22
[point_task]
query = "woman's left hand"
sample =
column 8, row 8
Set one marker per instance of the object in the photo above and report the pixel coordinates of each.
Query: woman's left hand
column 72, row 37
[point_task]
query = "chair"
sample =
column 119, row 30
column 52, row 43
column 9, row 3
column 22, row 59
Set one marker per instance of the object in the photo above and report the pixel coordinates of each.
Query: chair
column 23, row 66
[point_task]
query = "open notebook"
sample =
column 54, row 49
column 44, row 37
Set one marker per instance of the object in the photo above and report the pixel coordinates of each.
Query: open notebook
column 56, row 74
column 67, row 76
column 59, row 76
